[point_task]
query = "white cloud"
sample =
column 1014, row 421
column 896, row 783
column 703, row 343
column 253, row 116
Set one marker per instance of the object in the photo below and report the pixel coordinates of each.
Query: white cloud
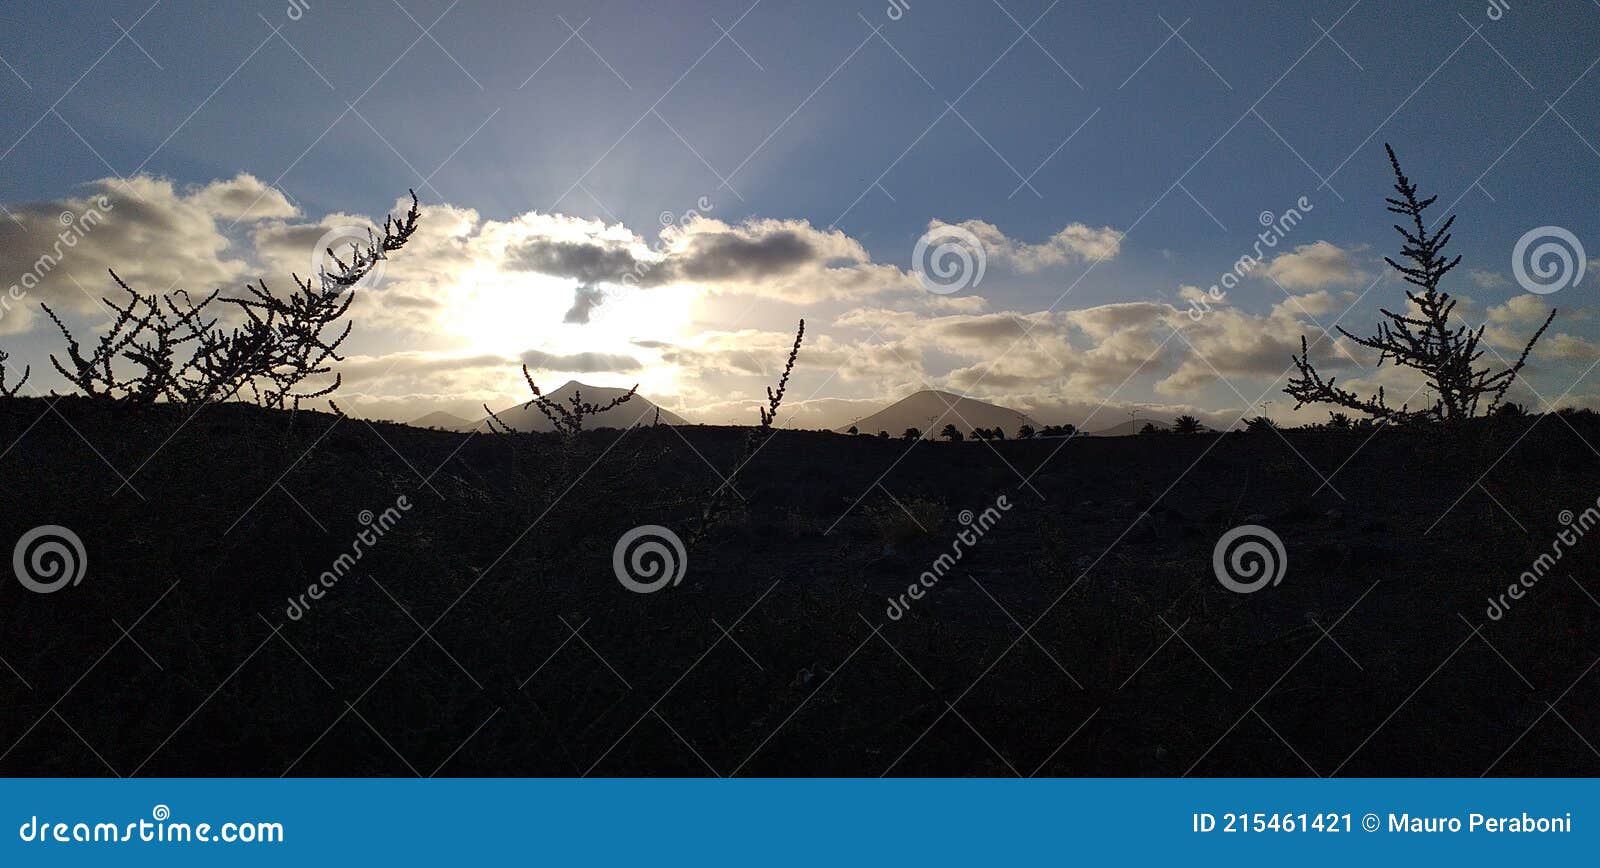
column 1318, row 265
column 1077, row 242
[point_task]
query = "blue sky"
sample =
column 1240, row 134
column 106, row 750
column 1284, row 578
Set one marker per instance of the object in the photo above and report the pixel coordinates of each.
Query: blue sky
column 1174, row 124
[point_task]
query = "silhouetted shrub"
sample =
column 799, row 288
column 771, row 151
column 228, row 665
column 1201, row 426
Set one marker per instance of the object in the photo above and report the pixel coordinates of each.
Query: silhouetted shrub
column 11, row 391
column 1186, row 424
column 168, row 347
column 567, row 420
column 1426, row 341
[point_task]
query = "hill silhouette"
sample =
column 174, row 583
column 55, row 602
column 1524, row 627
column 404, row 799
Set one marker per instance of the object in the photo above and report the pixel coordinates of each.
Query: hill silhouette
column 920, row 410
column 443, row 421
column 639, row 410
column 1132, row 426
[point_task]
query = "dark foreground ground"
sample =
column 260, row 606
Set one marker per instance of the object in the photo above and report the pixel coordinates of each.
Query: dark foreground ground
column 450, row 648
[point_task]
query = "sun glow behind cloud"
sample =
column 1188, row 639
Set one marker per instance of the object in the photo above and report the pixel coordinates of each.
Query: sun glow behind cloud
column 509, row 313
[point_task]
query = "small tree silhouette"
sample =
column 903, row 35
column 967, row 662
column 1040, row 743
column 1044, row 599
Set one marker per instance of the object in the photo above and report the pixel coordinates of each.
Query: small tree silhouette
column 1445, row 356
column 853, row 431
column 1186, row 424
column 951, row 433
column 567, row 420
column 11, row 391
column 177, row 353
column 1025, row 432
column 1260, row 423
column 1149, row 428
column 1338, row 422
column 912, row 434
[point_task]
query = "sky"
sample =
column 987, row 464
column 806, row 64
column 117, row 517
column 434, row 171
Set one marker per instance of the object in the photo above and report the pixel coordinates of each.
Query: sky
column 656, row 193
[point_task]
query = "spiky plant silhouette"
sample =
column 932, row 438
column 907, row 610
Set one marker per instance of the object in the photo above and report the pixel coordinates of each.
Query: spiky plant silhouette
column 11, row 391
column 168, row 347
column 716, row 504
column 1422, row 339
column 567, row 419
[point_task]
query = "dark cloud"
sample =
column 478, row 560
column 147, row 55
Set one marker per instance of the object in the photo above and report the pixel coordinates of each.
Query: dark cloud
column 725, row 256
column 588, row 262
column 584, row 300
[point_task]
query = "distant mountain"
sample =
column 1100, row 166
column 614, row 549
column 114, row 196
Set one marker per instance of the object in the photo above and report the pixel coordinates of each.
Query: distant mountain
column 1132, row 426
column 917, row 411
column 639, row 410
column 443, row 421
